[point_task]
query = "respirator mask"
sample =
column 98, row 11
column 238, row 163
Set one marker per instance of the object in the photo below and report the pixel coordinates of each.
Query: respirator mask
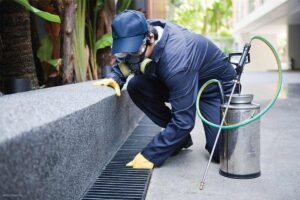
column 137, row 63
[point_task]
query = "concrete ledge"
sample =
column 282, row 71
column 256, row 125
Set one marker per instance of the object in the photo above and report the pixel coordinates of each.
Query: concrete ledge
column 54, row 142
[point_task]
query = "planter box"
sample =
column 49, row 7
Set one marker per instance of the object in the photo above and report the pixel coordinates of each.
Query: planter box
column 54, row 142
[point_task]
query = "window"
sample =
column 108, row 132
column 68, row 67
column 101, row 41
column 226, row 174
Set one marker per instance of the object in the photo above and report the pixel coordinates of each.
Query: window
column 251, row 5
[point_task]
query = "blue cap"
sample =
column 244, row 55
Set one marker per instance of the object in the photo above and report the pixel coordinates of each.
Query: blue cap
column 128, row 31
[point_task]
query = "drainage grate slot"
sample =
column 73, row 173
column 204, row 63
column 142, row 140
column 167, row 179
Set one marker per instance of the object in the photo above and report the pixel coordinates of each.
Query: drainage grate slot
column 117, row 181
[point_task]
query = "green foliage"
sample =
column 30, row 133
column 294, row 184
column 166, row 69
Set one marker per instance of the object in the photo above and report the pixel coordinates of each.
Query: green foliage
column 44, row 54
column 175, row 2
column 54, row 62
column 45, row 50
column 80, row 48
column 220, row 13
column 210, row 18
column 123, row 5
column 205, row 17
column 190, row 15
column 104, row 41
column 45, row 15
column 98, row 6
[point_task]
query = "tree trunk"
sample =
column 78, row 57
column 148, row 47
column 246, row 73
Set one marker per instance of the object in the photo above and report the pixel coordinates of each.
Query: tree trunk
column 17, row 55
column 68, row 75
column 106, row 16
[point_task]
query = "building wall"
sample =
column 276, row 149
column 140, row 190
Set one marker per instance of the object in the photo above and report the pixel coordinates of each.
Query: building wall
column 243, row 8
column 257, row 17
column 294, row 46
column 156, row 9
column 261, row 56
column 153, row 9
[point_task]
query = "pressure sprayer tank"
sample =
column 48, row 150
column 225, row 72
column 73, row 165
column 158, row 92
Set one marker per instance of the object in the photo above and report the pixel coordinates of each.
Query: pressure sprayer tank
column 240, row 147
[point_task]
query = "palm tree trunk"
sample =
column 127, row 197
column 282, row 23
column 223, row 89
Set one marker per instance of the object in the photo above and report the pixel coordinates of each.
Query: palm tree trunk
column 17, row 56
column 68, row 75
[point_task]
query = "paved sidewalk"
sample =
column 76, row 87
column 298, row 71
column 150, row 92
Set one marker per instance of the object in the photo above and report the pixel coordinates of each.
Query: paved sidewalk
column 180, row 176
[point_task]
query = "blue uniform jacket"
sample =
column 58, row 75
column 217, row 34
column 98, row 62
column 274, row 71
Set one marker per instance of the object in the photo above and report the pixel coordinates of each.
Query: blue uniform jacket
column 185, row 61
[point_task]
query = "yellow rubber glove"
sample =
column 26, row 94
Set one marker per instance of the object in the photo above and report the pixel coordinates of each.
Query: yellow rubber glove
column 140, row 162
column 111, row 83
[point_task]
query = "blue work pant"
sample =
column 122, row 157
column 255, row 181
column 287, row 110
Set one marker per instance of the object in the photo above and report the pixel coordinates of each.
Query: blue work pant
column 150, row 95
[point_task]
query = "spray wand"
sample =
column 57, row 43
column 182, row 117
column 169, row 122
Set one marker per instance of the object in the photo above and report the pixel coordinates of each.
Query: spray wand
column 239, row 70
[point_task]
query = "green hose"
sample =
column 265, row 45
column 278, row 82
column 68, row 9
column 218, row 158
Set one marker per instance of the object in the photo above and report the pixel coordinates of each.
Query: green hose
column 256, row 117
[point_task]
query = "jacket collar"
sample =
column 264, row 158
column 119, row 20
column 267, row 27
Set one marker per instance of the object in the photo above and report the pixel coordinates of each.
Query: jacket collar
column 159, row 47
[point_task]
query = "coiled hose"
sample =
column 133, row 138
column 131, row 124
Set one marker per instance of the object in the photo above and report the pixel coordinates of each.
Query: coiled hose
column 264, row 111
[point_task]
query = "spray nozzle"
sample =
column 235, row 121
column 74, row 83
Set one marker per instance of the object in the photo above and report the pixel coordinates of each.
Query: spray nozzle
column 245, row 58
column 239, row 60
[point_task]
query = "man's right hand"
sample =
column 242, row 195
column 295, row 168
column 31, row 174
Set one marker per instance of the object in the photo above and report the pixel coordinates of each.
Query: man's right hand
column 111, row 83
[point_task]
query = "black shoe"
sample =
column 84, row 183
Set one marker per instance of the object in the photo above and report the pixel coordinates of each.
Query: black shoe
column 216, row 156
column 216, row 159
column 186, row 144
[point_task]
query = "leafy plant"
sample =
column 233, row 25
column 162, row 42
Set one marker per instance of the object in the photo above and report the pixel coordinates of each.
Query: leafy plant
column 44, row 54
column 123, row 5
column 92, row 33
column 79, row 44
column 45, row 50
column 190, row 15
column 45, row 15
column 210, row 18
column 105, row 41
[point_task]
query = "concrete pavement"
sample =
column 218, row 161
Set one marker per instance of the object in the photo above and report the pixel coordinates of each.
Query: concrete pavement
column 180, row 176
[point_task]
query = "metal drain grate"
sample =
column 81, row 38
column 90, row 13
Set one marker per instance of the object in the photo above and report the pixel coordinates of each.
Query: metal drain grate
column 117, row 181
